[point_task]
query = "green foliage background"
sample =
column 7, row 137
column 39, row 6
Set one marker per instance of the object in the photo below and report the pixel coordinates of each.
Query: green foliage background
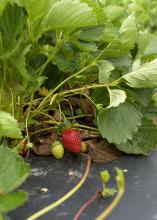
column 96, row 45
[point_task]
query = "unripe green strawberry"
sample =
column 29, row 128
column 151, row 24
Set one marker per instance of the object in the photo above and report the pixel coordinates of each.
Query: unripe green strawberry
column 57, row 150
column 83, row 147
column 71, row 140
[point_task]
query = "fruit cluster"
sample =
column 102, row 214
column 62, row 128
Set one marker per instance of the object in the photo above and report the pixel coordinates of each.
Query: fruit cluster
column 71, row 141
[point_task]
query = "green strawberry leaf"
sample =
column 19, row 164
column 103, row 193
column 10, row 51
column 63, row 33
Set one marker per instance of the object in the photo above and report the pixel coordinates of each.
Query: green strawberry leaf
column 122, row 40
column 117, row 96
column 105, row 176
column 113, row 12
column 12, row 25
column 143, row 141
column 118, row 124
column 13, row 170
column 74, row 14
column 145, row 77
column 9, row 126
column 91, row 33
column 109, row 191
column 3, row 4
column 36, row 9
column 147, row 45
column 19, row 60
column 128, row 32
column 86, row 46
column 105, row 68
column 12, row 200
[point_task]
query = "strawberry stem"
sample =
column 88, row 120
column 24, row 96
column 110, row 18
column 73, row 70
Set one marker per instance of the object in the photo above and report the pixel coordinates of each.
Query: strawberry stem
column 115, row 202
column 66, row 196
column 85, row 205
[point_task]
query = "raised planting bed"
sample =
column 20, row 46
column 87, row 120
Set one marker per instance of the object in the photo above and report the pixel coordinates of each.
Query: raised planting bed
column 139, row 201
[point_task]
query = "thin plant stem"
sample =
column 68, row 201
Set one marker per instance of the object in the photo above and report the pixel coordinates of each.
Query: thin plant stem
column 42, row 68
column 74, row 75
column 76, row 91
column 42, row 130
column 49, row 116
column 115, row 202
column 30, row 104
column 87, row 87
column 80, row 211
column 19, row 145
column 79, row 116
column 60, row 112
column 58, row 45
column 30, row 30
column 66, row 196
column 89, row 99
column 70, row 105
column 12, row 103
column 85, row 127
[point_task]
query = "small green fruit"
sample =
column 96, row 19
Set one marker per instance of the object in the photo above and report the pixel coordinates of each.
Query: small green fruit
column 29, row 145
column 83, row 147
column 57, row 150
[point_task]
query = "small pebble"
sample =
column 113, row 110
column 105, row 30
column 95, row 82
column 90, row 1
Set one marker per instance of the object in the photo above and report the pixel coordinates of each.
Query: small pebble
column 125, row 170
column 44, row 190
column 71, row 173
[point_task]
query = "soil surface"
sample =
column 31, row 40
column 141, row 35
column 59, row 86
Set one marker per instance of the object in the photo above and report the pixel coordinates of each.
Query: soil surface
column 51, row 179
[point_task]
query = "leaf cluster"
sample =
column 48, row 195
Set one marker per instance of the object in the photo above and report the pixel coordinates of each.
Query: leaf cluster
column 101, row 46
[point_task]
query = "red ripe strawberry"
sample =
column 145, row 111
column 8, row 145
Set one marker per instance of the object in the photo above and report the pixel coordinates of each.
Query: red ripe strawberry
column 71, row 140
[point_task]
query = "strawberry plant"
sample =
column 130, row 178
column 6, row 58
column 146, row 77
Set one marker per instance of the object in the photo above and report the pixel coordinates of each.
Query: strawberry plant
column 91, row 64
column 86, row 53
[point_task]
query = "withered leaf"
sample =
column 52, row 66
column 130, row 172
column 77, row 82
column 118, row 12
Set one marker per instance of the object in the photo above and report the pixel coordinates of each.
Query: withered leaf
column 43, row 144
column 101, row 151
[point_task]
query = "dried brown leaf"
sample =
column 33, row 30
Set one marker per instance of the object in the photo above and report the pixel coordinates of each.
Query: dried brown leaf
column 88, row 135
column 101, row 151
column 42, row 149
column 83, row 104
column 43, row 144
